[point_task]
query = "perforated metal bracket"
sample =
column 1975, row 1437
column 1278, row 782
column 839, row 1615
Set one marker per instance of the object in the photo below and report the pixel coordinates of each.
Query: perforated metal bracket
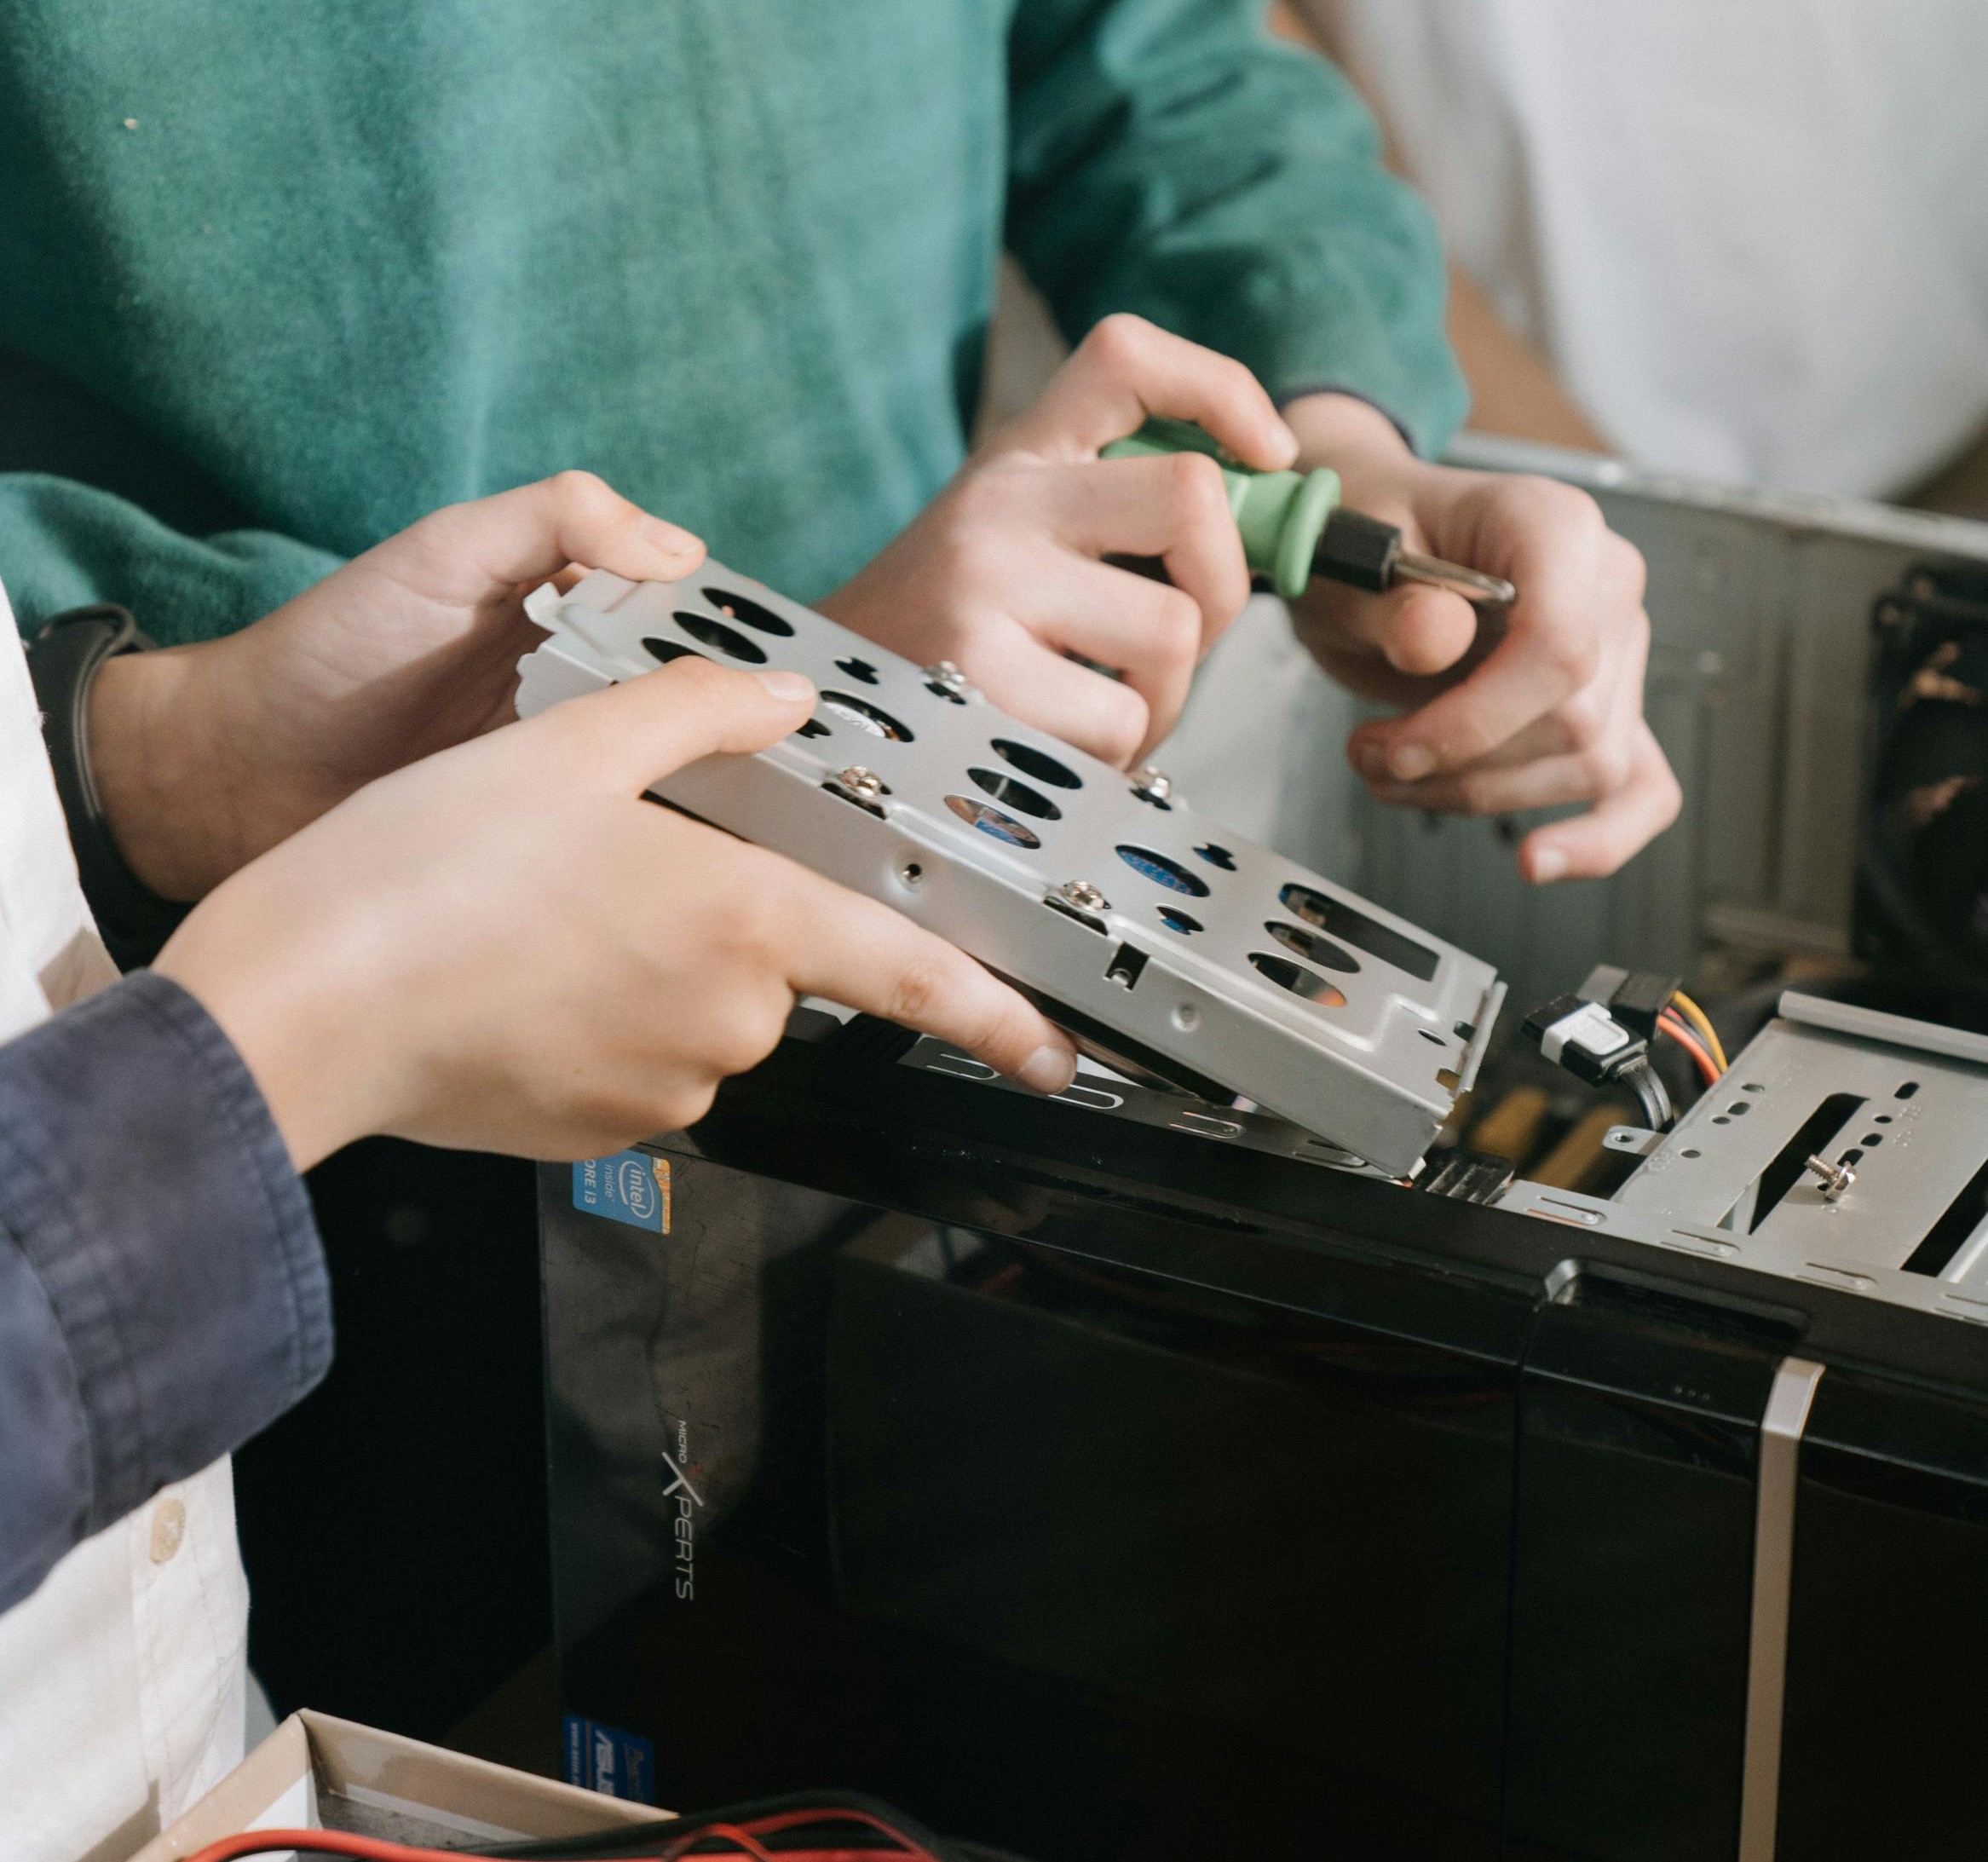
column 1150, row 931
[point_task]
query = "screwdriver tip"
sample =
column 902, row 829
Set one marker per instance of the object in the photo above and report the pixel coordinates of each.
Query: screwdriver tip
column 1484, row 590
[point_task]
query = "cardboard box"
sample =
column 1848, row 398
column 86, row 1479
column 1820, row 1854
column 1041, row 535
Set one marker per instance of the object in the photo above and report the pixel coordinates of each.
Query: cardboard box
column 317, row 1773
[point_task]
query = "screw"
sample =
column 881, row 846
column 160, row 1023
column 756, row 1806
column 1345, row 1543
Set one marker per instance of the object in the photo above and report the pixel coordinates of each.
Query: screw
column 1835, row 1178
column 1147, row 779
column 867, row 783
column 1083, row 894
column 947, row 676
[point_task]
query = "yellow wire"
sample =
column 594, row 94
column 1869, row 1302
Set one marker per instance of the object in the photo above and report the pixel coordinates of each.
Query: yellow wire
column 1701, row 1021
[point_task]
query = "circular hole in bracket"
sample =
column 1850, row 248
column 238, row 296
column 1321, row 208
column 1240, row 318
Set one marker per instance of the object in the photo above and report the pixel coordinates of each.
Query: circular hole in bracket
column 866, row 716
column 1299, row 979
column 814, row 728
column 991, row 821
column 715, row 633
column 1162, row 869
column 1430, row 1034
column 1321, row 951
column 910, row 872
column 1016, row 794
column 1218, row 856
column 1688, row 1154
column 859, row 669
column 663, row 651
column 1175, row 919
column 752, row 614
column 1752, row 1086
column 1037, row 764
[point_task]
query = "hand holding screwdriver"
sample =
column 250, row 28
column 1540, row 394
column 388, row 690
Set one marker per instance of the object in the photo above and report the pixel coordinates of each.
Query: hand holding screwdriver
column 1294, row 526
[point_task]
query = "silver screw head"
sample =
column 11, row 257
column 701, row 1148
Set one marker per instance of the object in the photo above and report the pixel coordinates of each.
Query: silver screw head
column 1149, row 780
column 858, row 781
column 946, row 674
column 1083, row 894
column 1835, row 1179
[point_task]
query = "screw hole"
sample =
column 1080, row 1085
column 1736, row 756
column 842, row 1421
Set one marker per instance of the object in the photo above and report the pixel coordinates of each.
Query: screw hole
column 715, row 633
column 1037, row 764
column 743, row 607
column 1299, row 980
column 866, row 716
column 911, row 873
column 1016, row 794
column 860, row 670
column 1163, row 870
column 991, row 821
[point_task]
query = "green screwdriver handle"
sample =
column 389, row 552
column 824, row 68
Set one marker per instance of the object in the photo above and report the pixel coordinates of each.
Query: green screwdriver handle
column 1280, row 515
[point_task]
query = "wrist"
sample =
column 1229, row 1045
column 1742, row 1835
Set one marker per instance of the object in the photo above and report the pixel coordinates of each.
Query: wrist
column 288, row 1021
column 1344, row 432
column 153, row 756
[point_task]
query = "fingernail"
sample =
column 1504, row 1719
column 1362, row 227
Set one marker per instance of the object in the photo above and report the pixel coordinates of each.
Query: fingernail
column 1050, row 1069
column 1411, row 762
column 672, row 540
column 789, row 687
column 1549, row 864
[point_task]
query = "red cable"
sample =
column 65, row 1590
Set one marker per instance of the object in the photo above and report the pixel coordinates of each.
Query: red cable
column 795, row 1819
column 1691, row 1045
column 377, row 1849
column 731, row 1832
column 322, row 1843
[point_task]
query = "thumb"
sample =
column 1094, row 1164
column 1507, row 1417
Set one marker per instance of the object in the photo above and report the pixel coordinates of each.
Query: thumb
column 644, row 728
column 460, row 553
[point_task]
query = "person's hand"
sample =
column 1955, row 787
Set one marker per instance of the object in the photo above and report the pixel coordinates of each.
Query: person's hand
column 1541, row 707
column 206, row 755
column 1004, row 574
column 504, row 948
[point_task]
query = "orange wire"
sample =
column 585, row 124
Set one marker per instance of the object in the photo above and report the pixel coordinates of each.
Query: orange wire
column 1690, row 1044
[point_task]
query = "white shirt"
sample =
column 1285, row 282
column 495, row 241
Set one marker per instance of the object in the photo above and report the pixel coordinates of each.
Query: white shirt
column 1751, row 235
column 122, row 1677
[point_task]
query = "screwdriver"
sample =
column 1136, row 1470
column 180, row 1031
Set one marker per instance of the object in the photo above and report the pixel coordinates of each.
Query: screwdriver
column 1295, row 527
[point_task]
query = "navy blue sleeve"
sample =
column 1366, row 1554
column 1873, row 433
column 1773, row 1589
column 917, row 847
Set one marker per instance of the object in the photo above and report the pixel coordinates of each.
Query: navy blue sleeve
column 163, row 1293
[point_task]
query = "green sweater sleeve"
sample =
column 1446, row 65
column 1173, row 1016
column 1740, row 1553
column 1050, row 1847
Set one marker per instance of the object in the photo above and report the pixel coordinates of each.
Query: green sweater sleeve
column 63, row 543
column 1169, row 158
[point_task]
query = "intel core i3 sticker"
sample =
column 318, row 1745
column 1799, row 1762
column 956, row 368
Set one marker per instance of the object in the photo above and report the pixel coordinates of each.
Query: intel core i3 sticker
column 605, row 1759
column 631, row 1187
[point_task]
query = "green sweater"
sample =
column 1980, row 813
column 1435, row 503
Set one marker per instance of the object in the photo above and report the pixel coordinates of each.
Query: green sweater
column 276, row 278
